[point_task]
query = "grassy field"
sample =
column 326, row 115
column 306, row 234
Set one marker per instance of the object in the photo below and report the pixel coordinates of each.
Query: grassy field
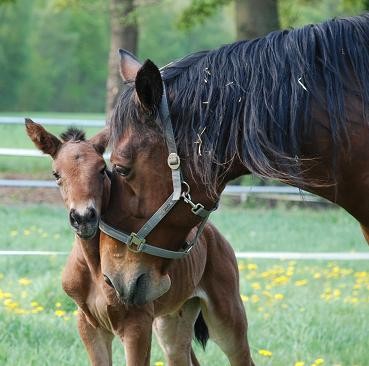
column 304, row 311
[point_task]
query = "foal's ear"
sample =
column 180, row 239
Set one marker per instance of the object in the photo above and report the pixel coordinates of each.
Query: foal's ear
column 149, row 85
column 44, row 141
column 129, row 65
column 100, row 140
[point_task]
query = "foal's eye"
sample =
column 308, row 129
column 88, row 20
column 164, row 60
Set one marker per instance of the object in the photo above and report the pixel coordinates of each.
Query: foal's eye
column 57, row 177
column 122, row 170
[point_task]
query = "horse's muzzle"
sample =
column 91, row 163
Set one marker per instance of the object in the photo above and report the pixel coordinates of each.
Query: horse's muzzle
column 85, row 225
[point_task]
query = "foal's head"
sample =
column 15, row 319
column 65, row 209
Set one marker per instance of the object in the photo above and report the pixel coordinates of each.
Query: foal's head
column 80, row 172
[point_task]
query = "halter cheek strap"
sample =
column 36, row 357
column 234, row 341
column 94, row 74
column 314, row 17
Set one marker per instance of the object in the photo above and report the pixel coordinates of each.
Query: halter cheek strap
column 136, row 242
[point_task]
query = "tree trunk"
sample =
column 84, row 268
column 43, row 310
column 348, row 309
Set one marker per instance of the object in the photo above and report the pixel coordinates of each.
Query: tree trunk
column 124, row 34
column 255, row 18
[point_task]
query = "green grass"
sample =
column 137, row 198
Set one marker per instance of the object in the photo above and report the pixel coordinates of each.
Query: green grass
column 298, row 311
column 45, row 227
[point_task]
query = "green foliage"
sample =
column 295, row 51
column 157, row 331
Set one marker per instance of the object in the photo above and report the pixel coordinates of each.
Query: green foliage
column 198, row 11
column 53, row 53
column 162, row 41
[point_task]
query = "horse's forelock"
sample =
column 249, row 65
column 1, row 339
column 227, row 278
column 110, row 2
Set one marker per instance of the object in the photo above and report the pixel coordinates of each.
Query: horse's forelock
column 73, row 134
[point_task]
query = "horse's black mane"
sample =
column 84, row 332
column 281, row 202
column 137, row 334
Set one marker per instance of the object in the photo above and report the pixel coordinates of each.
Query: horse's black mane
column 73, row 134
column 251, row 100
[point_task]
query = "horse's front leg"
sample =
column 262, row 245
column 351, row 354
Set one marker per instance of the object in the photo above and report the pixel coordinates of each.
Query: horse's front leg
column 96, row 340
column 175, row 332
column 136, row 338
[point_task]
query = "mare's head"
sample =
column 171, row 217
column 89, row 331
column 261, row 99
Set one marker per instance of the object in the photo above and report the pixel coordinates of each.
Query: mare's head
column 80, row 172
column 141, row 182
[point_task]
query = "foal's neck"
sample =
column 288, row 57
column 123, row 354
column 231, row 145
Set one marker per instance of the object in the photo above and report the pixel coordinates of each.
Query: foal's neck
column 90, row 252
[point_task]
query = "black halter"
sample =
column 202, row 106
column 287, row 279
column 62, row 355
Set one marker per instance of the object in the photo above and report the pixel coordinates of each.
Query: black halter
column 136, row 242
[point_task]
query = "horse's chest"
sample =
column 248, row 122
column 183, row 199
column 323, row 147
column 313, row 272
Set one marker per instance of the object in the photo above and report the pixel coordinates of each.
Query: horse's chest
column 97, row 303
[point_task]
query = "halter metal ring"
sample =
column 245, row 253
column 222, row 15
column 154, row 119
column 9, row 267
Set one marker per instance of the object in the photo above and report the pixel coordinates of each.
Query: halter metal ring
column 135, row 243
column 173, row 161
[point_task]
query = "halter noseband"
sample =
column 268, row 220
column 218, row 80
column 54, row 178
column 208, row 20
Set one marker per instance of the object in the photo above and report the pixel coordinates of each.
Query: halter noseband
column 136, row 242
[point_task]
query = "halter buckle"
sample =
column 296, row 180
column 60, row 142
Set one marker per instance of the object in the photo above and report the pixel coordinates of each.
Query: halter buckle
column 135, row 243
column 197, row 208
column 173, row 161
column 189, row 246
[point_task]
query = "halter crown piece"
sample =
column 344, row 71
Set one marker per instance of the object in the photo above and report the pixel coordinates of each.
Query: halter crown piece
column 136, row 242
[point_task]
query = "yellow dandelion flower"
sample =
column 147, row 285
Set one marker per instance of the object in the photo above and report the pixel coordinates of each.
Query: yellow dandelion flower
column 279, row 296
column 280, row 280
column 75, row 312
column 20, row 311
column 319, row 361
column 26, row 232
column 58, row 305
column 7, row 295
column 34, row 303
column 59, row 313
column 24, row 294
column 255, row 298
column 301, row 282
column 252, row 267
column 24, row 281
column 244, row 298
column 265, row 353
column 337, row 293
column 299, row 363
column 159, row 363
column 39, row 308
column 13, row 233
column 10, row 304
column 317, row 276
column 256, row 286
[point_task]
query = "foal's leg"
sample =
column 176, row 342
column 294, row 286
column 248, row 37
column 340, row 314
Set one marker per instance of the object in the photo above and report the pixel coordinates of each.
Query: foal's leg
column 174, row 333
column 96, row 340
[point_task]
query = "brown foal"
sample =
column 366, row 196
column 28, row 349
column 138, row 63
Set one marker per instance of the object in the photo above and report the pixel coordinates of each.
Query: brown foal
column 98, row 272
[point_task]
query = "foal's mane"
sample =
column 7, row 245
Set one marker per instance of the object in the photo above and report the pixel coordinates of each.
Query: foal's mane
column 251, row 100
column 73, row 134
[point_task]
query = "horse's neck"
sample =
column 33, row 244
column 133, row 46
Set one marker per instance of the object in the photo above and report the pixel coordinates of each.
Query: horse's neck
column 89, row 253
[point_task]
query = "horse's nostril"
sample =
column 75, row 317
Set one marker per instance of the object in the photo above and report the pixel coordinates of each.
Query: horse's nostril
column 108, row 282
column 92, row 214
column 74, row 217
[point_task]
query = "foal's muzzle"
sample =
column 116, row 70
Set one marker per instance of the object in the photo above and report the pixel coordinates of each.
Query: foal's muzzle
column 85, row 225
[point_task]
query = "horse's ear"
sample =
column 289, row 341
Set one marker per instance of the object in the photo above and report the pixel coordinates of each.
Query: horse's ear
column 44, row 141
column 100, row 140
column 129, row 65
column 149, row 85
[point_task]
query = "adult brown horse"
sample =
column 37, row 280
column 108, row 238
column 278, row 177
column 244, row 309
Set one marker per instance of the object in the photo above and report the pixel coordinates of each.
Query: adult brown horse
column 206, row 278
column 292, row 106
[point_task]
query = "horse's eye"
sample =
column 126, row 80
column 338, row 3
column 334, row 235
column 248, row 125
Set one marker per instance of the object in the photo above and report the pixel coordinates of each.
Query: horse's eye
column 122, row 170
column 57, row 177
column 103, row 170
